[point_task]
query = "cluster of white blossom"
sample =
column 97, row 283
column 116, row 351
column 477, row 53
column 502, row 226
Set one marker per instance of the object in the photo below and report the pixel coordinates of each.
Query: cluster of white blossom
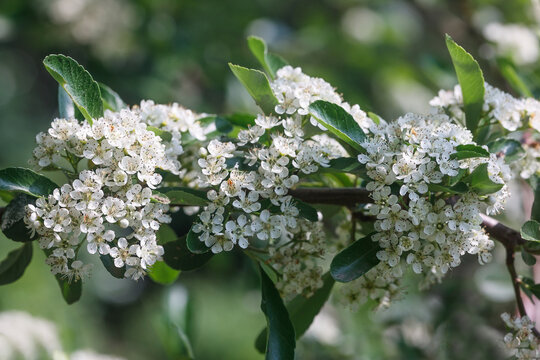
column 296, row 260
column 511, row 113
column 295, row 91
column 427, row 229
column 109, row 203
column 381, row 284
column 257, row 191
column 521, row 340
column 515, row 41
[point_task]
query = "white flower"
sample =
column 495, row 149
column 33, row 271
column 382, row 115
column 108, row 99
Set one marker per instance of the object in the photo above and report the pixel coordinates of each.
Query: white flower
column 238, row 230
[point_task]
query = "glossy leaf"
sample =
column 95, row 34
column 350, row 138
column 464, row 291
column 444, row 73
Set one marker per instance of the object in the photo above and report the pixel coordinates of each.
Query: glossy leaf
column 162, row 273
column 71, row 292
column 111, row 100
column 78, row 83
column 528, row 258
column 270, row 62
column 355, row 261
column 302, row 311
column 306, row 211
column 185, row 196
column 194, row 244
column 179, row 257
column 339, row 122
column 511, row 149
column 108, row 263
column 459, row 188
column 15, row 263
column 257, row 85
column 469, row 151
column 26, row 181
column 471, row 80
column 480, row 182
column 531, row 231
column 12, row 220
column 281, row 339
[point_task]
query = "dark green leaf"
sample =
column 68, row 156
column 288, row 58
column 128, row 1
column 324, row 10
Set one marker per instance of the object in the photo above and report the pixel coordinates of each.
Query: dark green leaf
column 531, row 231
column 242, row 120
column 111, row 100
column 480, row 182
column 471, row 80
column 355, row 261
column 179, row 257
column 185, row 196
column 161, row 273
column 469, row 151
column 108, row 263
column 165, row 234
column 511, row 149
column 66, row 109
column 223, row 125
column 528, row 258
column 26, row 181
column 70, row 291
column 535, row 211
column 194, row 244
column 348, row 165
column 459, row 188
column 12, row 220
column 306, row 211
column 13, row 266
column 281, row 337
column 339, row 122
column 257, row 85
column 302, row 311
column 78, row 83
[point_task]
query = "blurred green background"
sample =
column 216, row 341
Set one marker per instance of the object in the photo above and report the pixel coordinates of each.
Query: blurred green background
column 389, row 56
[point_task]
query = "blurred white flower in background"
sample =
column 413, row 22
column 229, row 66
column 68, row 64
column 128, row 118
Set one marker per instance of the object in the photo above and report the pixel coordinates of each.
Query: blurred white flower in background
column 514, row 40
column 23, row 336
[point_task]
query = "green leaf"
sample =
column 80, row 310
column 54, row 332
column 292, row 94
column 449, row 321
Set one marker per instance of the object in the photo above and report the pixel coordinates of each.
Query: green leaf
column 161, row 273
column 13, row 266
column 270, row 62
column 223, row 125
column 164, row 135
column 302, row 311
column 510, row 74
column 71, row 292
column 281, row 337
column 355, row 261
column 531, row 231
column 374, row 117
column 21, row 180
column 480, row 182
column 528, row 258
column 306, row 211
column 179, row 257
column 108, row 263
column 194, row 244
column 66, row 109
column 535, row 211
column 257, row 85
column 185, row 196
column 242, row 120
column 339, row 122
column 78, row 83
column 12, row 220
column 530, row 288
column 459, row 188
column 345, row 164
column 165, row 234
column 471, row 80
column 111, row 100
column 511, row 149
column 469, row 151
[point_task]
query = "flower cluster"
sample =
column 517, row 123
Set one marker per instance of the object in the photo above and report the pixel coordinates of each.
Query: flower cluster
column 296, row 260
column 520, row 340
column 109, row 203
column 418, row 220
column 295, row 91
column 511, row 113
